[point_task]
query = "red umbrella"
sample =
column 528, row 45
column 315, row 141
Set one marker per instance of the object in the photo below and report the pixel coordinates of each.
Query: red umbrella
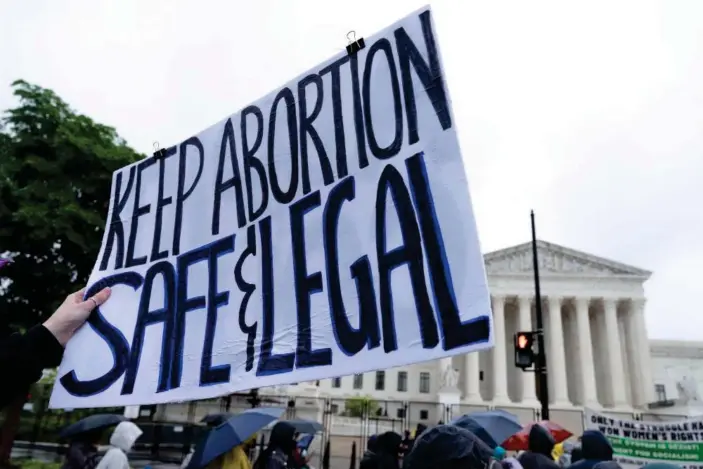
column 519, row 441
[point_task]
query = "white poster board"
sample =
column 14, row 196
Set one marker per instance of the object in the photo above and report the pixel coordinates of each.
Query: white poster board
column 324, row 230
column 637, row 443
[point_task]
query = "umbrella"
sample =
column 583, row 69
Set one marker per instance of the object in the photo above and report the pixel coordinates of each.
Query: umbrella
column 309, row 427
column 519, row 441
column 216, row 419
column 493, row 427
column 231, row 433
column 93, row 422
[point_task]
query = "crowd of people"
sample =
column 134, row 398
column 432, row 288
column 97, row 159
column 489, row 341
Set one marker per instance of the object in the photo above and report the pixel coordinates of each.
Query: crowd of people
column 451, row 447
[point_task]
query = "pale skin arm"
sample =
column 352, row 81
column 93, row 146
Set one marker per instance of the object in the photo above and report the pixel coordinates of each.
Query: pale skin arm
column 73, row 313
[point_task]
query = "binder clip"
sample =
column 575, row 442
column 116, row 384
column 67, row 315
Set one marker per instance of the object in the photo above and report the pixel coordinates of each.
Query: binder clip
column 159, row 153
column 354, row 45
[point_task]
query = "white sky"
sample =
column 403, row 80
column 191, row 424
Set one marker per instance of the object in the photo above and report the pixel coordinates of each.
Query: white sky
column 589, row 112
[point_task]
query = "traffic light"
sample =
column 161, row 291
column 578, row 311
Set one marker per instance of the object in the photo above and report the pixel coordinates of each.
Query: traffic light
column 524, row 353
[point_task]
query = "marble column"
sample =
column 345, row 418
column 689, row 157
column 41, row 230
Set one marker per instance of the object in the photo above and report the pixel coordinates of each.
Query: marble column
column 472, row 389
column 500, row 372
column 635, row 374
column 529, row 393
column 616, row 370
column 588, row 374
column 643, row 350
column 556, row 361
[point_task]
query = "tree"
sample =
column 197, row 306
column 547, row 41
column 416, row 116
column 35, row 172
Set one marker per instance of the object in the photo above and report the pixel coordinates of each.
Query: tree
column 361, row 406
column 56, row 168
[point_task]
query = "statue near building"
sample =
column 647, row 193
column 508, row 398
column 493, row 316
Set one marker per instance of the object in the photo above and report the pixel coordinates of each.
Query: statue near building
column 688, row 391
column 450, row 378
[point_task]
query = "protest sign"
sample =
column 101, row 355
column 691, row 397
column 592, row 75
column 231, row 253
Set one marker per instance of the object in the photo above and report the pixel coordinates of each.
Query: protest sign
column 636, row 443
column 324, row 230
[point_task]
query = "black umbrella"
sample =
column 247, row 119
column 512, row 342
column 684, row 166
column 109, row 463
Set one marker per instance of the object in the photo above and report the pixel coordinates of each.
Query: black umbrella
column 308, row 427
column 91, row 423
column 216, row 419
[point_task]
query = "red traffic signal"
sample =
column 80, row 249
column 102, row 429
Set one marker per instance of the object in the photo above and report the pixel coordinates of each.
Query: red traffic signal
column 524, row 353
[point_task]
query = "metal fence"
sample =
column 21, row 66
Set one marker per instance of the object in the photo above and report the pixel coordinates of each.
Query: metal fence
column 171, row 430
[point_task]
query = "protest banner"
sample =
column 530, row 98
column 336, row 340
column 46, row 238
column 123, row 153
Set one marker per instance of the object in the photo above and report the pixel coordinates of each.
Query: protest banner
column 324, row 230
column 636, row 443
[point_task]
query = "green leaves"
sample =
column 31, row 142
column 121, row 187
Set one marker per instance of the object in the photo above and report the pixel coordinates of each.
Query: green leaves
column 55, row 174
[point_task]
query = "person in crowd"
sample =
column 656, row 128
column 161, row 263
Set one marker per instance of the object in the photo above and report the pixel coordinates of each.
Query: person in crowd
column 533, row 460
column 297, row 459
column 121, row 442
column 564, row 459
column 607, row 465
column 499, row 453
column 449, row 447
column 540, row 444
column 419, row 429
column 540, row 441
column 280, row 448
column 237, row 458
column 661, row 465
column 386, row 453
column 83, row 451
column 576, row 453
column 595, row 448
column 370, row 452
column 511, row 463
column 25, row 356
column 407, row 442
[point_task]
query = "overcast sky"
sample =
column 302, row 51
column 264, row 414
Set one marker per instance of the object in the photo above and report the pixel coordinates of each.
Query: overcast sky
column 591, row 112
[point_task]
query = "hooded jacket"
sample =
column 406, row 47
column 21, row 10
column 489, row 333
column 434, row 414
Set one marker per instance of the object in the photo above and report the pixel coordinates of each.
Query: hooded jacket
column 121, row 442
column 280, row 448
column 81, row 455
column 370, row 448
column 540, row 441
column 446, row 447
column 385, row 454
column 595, row 448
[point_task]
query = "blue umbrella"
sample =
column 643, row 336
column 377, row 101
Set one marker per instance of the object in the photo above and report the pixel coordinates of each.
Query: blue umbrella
column 216, row 419
column 91, row 423
column 493, row 427
column 231, row 433
column 309, row 427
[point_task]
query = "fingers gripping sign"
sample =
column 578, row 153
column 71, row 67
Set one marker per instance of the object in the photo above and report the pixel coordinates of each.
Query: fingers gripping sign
column 73, row 313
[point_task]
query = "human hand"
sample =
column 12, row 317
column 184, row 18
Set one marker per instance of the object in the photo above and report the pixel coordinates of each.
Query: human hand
column 73, row 313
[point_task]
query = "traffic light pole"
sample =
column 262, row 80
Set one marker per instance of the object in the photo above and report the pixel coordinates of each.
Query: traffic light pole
column 541, row 367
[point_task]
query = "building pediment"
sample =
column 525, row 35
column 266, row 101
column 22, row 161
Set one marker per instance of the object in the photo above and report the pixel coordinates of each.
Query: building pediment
column 555, row 259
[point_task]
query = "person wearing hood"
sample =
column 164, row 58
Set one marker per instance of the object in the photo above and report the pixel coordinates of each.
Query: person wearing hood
column 449, row 447
column 540, row 443
column 370, row 447
column 121, row 442
column 83, row 452
column 280, row 448
column 564, row 459
column 595, row 448
column 407, row 442
column 386, row 453
column 418, row 430
column 576, row 454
